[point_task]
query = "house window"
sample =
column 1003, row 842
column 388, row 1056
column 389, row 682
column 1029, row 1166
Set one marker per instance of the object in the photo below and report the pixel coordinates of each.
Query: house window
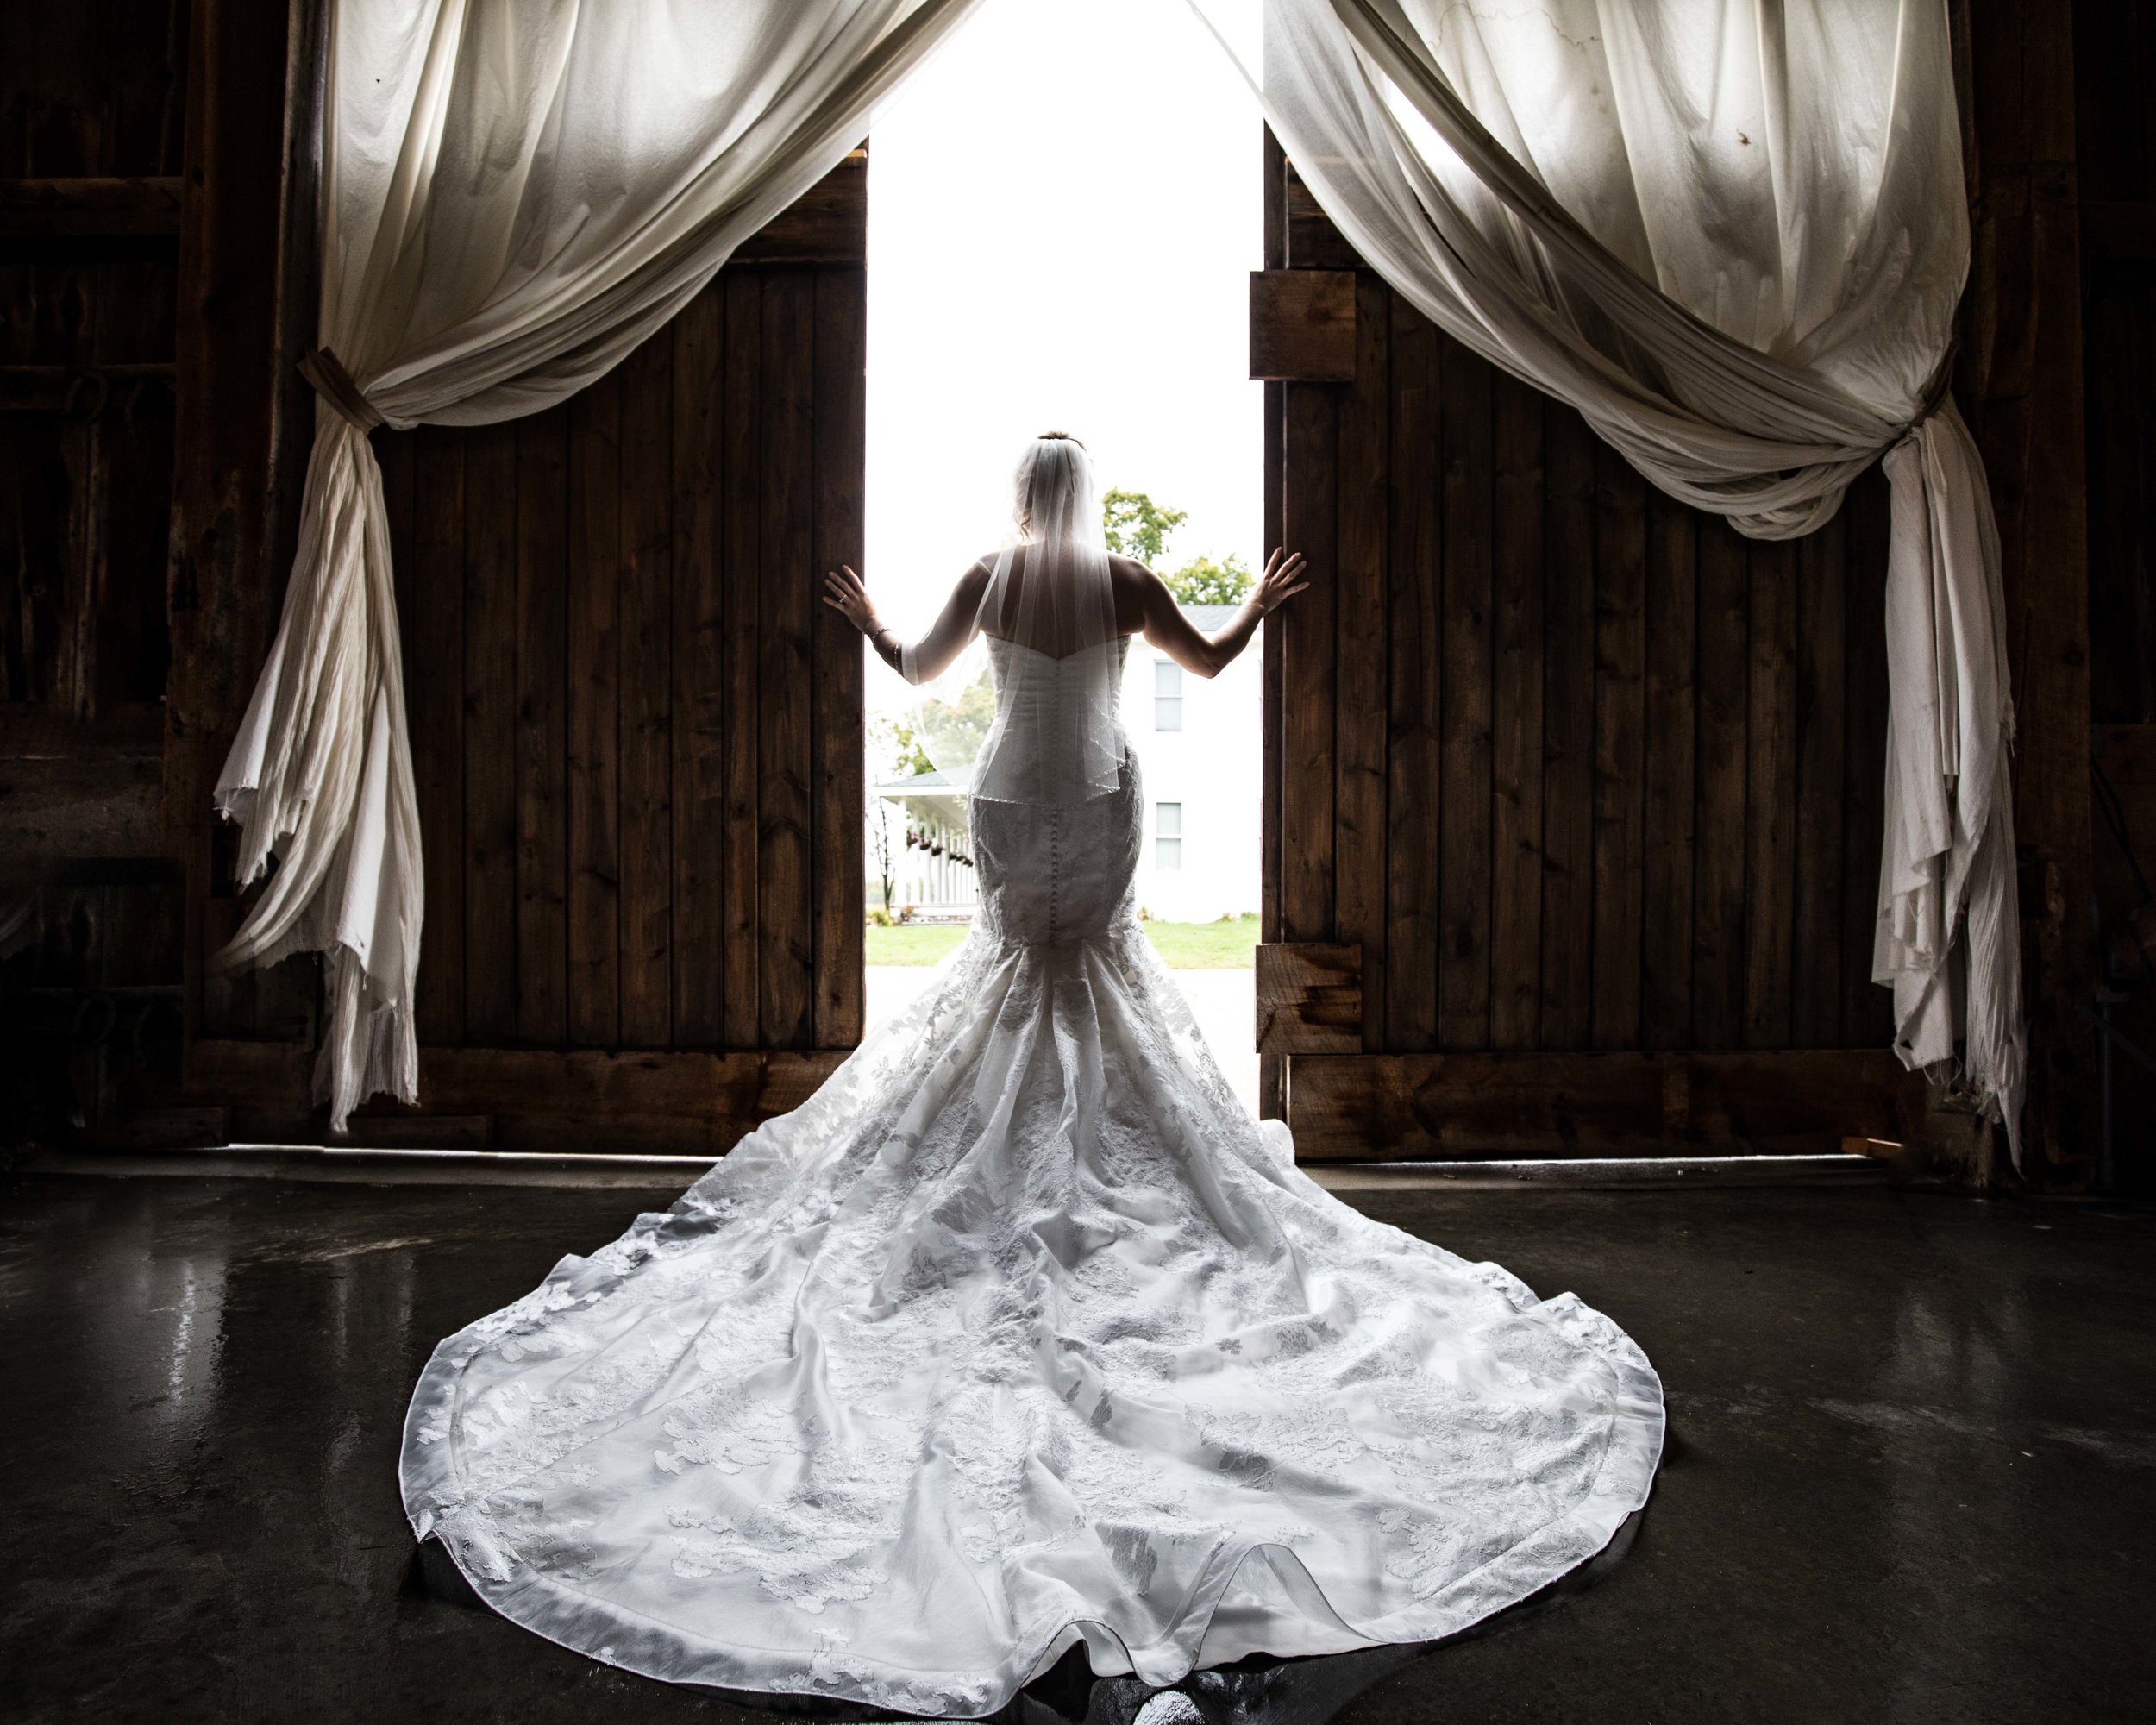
column 1168, row 835
column 1167, row 698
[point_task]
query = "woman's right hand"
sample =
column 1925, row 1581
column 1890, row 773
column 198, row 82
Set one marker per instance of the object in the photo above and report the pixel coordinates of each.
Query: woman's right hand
column 843, row 592
column 1279, row 583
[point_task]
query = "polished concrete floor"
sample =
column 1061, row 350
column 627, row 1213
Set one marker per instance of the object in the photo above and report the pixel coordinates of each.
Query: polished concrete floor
column 1912, row 1474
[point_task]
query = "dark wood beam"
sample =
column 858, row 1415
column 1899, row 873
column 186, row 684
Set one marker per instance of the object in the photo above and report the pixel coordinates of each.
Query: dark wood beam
column 1302, row 325
column 827, row 224
column 89, row 208
column 1309, row 998
column 527, row 1099
column 84, row 390
column 1389, row 1106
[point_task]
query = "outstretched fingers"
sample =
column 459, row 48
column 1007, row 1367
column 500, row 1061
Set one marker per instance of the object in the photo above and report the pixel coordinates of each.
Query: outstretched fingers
column 1280, row 584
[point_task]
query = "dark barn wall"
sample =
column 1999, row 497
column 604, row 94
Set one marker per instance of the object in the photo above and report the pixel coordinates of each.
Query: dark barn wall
column 2115, row 67
column 1619, row 820
column 635, row 731
column 637, row 735
column 1580, row 791
column 92, row 111
column 1589, row 783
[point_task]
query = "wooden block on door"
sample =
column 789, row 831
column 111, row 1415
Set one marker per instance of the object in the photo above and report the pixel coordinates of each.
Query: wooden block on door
column 1302, row 325
column 1309, row 998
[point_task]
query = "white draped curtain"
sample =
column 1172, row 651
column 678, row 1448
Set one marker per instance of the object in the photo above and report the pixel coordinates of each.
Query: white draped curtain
column 515, row 194
column 1732, row 233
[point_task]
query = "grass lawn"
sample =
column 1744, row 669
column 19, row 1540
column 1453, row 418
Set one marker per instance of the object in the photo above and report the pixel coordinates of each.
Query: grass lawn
column 929, row 945
column 1204, row 945
column 1181, row 945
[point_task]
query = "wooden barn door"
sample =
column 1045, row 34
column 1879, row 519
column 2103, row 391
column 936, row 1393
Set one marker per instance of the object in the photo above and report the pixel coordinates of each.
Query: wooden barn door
column 1573, row 794
column 635, row 733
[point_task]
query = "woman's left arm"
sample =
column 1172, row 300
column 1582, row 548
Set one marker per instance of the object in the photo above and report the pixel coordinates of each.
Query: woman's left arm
column 932, row 654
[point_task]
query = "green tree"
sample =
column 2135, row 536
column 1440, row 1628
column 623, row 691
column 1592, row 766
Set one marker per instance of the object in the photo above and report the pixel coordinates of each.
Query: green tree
column 894, row 752
column 1135, row 526
column 1202, row 581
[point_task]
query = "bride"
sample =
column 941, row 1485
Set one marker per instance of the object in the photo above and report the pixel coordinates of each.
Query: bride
column 1022, row 1332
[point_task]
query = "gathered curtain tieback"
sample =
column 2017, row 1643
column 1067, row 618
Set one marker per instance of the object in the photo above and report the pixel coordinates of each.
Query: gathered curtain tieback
column 1942, row 385
column 326, row 372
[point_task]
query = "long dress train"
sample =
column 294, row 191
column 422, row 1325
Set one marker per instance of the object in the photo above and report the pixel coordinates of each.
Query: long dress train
column 1021, row 1332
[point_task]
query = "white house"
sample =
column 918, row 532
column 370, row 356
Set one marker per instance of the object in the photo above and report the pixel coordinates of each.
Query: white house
column 1198, row 743
column 918, row 836
column 1199, row 747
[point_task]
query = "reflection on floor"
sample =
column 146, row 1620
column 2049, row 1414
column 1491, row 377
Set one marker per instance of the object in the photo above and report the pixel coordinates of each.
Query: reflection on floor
column 1912, row 1474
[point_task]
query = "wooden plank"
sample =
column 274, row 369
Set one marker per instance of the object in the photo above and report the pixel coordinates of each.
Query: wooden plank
column 2127, row 755
column 1718, row 893
column 1310, row 997
column 87, row 391
column 1620, row 573
column 1867, row 1010
column 1516, row 865
column 647, row 693
column 1568, row 732
column 702, row 712
column 1312, row 242
column 784, row 763
column 395, row 453
column 2019, row 384
column 827, row 224
column 433, row 629
column 1771, row 796
column 1463, row 871
column 541, row 835
column 582, row 1100
column 1308, row 695
column 591, row 724
column 489, row 733
column 1665, row 971
column 1272, row 1069
column 1356, row 1108
column 223, row 592
column 740, row 520
column 2120, row 230
column 1414, row 648
column 90, row 207
column 1302, row 325
column 2121, row 456
column 1359, row 815
column 1822, row 718
column 840, row 888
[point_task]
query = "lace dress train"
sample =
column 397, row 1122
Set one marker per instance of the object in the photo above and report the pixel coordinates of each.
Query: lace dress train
column 1021, row 1332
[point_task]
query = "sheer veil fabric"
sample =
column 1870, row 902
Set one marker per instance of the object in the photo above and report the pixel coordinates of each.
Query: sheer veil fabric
column 1049, row 607
column 1022, row 1332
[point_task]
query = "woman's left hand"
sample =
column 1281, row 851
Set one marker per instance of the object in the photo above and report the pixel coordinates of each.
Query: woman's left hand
column 843, row 592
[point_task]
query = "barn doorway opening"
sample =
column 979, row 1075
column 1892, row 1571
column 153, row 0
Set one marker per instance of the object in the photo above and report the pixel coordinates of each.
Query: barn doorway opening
column 1112, row 154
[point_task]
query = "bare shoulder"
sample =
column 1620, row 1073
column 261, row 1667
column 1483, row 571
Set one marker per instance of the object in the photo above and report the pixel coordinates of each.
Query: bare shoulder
column 1130, row 575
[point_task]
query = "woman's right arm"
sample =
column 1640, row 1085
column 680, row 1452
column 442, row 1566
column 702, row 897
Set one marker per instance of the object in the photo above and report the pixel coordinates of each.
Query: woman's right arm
column 932, row 654
column 1168, row 629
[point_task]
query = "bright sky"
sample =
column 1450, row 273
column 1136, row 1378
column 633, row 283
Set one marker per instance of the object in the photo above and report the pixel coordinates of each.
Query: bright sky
column 1064, row 208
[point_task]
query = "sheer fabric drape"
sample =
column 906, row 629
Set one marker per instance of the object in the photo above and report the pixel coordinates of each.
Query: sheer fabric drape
column 1734, row 236
column 515, row 194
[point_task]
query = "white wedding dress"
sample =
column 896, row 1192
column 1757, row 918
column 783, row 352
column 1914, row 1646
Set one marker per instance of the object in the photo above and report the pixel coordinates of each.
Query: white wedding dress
column 1021, row 1331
